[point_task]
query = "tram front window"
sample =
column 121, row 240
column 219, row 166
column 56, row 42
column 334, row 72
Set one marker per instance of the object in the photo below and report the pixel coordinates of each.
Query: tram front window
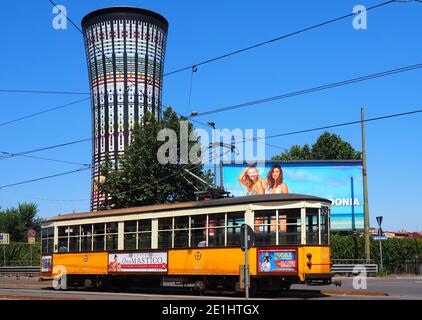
column 325, row 225
column 312, row 226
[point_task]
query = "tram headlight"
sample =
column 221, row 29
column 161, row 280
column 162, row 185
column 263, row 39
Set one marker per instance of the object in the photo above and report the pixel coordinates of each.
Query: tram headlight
column 309, row 263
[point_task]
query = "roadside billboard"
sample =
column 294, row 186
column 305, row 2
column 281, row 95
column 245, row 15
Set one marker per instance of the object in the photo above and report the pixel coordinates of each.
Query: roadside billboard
column 339, row 181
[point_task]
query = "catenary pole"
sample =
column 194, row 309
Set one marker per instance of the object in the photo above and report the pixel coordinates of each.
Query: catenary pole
column 365, row 190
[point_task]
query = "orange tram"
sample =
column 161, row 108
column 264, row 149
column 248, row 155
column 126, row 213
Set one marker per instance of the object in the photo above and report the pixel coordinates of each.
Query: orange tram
column 194, row 244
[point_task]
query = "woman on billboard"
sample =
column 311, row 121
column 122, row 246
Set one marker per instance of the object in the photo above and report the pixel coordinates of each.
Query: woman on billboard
column 251, row 180
column 275, row 181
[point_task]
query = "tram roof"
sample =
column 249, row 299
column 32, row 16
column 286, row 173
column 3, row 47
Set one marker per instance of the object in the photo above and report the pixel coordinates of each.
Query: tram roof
column 191, row 205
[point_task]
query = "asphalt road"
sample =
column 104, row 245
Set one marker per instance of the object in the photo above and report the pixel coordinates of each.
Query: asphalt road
column 376, row 288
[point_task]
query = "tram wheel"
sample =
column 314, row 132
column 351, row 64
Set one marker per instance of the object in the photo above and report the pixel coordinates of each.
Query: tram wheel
column 285, row 286
column 199, row 288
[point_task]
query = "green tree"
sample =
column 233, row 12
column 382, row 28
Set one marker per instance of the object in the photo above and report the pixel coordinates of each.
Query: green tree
column 327, row 147
column 140, row 178
column 17, row 221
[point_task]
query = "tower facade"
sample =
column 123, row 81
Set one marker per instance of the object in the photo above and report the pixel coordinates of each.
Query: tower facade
column 125, row 50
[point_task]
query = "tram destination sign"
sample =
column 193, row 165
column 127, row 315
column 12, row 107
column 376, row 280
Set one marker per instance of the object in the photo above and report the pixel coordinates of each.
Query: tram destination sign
column 138, row 262
column 341, row 182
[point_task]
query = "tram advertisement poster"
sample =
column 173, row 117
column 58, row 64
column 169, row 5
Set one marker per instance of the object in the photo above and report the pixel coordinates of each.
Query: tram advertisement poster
column 277, row 260
column 137, row 262
column 339, row 181
column 46, row 263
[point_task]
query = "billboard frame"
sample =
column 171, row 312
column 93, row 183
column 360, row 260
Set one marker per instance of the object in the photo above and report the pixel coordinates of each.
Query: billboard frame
column 356, row 162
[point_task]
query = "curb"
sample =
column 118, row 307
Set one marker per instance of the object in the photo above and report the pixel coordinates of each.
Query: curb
column 354, row 293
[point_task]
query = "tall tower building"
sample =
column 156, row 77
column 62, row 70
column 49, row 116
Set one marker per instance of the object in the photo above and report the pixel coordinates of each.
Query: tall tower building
column 125, row 50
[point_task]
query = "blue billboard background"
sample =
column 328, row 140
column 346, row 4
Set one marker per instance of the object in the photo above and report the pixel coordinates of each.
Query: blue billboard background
column 339, row 181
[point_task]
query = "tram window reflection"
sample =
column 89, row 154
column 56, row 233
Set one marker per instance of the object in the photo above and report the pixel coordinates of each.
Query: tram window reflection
column 265, row 227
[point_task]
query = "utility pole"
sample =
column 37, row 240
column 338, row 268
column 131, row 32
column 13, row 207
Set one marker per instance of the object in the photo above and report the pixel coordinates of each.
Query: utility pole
column 214, row 159
column 365, row 190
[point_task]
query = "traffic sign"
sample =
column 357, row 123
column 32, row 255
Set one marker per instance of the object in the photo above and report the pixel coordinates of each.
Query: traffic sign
column 4, row 238
column 379, row 220
column 31, row 240
column 380, row 238
column 250, row 237
column 31, row 233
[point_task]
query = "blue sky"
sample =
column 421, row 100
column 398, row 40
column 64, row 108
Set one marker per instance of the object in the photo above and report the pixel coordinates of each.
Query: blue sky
column 36, row 56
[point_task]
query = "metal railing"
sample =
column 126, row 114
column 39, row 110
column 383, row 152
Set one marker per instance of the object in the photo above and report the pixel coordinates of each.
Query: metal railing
column 354, row 268
column 20, row 270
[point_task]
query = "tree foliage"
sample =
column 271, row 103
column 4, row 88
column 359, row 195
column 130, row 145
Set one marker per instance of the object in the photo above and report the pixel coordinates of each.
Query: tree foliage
column 396, row 252
column 141, row 179
column 327, row 147
column 17, row 221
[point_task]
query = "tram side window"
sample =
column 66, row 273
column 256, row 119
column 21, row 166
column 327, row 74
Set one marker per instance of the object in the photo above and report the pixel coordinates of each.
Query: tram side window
column 181, row 232
column 312, row 226
column 63, row 239
column 137, row 234
column 216, row 230
column 265, row 227
column 131, row 229
column 74, row 237
column 98, row 238
column 86, row 237
column 165, row 229
column 47, row 240
column 144, row 234
column 289, row 226
column 111, row 236
column 198, row 231
column 234, row 221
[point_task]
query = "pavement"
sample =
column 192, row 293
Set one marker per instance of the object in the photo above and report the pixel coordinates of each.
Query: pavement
column 388, row 288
